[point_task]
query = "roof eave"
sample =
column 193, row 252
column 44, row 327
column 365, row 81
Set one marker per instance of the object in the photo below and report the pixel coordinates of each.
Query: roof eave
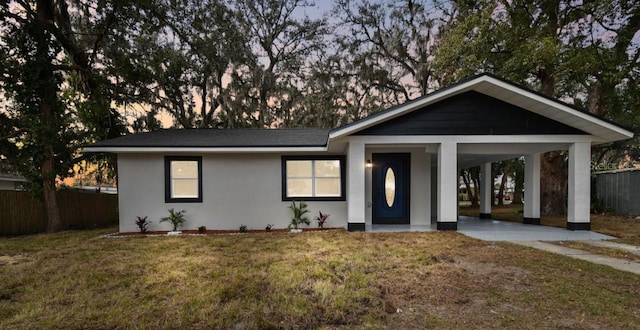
column 118, row 150
column 611, row 133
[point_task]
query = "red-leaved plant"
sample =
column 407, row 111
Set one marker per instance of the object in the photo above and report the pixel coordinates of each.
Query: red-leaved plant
column 143, row 224
column 321, row 218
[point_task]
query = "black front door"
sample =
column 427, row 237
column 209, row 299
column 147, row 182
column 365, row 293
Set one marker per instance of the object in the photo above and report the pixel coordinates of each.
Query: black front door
column 390, row 177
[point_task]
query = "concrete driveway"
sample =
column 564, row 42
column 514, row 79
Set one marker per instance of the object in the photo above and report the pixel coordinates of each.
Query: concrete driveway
column 495, row 230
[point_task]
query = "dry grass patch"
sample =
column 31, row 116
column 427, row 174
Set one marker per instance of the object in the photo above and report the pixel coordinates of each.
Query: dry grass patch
column 611, row 252
column 328, row 279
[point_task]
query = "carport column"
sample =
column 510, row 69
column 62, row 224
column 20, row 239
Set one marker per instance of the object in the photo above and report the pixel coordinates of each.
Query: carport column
column 486, row 185
column 578, row 217
column 447, row 186
column 356, row 189
column 532, row 189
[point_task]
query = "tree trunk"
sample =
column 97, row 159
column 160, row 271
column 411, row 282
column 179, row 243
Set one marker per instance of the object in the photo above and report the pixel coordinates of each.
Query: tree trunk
column 475, row 178
column 553, row 181
column 517, row 193
column 494, row 170
column 467, row 179
column 503, row 182
column 47, row 96
column 54, row 223
column 469, row 176
column 553, row 184
column 203, row 110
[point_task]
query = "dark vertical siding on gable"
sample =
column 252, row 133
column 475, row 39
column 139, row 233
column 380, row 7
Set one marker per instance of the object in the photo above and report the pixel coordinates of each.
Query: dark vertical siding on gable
column 470, row 113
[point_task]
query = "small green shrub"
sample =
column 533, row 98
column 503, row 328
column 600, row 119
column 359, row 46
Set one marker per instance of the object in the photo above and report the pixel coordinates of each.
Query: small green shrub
column 202, row 229
column 176, row 218
column 299, row 216
column 243, row 228
column 143, row 224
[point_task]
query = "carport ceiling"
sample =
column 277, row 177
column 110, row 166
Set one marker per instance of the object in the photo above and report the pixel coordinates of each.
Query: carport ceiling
column 474, row 154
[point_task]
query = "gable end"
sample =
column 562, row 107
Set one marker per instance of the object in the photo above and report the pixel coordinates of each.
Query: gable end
column 471, row 113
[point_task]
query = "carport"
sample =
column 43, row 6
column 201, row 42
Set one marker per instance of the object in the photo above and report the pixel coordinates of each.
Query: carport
column 496, row 230
column 404, row 162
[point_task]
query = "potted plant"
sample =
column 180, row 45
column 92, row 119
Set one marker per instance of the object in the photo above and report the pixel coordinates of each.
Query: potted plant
column 299, row 216
column 177, row 219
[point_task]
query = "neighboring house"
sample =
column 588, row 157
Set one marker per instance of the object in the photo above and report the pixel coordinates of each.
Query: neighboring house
column 399, row 166
column 94, row 189
column 12, row 182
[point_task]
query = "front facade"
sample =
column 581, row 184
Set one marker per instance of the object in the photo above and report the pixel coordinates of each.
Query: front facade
column 399, row 166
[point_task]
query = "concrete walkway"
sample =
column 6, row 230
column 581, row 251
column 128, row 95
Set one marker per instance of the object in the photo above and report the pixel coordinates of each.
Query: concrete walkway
column 613, row 245
column 620, row 264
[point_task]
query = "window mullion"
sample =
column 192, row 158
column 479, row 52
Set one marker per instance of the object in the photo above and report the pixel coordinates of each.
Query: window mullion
column 313, row 178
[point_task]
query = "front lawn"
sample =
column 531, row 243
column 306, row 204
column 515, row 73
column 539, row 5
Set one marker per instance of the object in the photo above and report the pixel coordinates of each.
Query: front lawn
column 328, row 279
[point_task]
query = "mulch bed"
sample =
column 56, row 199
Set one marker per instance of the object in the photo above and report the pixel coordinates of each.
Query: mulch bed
column 216, row 232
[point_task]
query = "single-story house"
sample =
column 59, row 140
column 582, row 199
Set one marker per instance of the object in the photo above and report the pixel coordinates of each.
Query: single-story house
column 398, row 166
column 12, row 182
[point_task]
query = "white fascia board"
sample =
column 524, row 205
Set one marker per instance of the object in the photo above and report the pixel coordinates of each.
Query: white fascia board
column 505, row 139
column 141, row 150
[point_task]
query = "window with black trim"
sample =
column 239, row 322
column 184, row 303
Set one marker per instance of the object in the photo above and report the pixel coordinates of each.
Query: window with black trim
column 182, row 179
column 313, row 178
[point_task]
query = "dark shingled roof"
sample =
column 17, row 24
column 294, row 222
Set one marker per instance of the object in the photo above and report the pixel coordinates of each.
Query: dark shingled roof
column 221, row 138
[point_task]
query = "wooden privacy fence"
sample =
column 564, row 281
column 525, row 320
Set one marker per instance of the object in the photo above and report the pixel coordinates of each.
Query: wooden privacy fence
column 22, row 213
column 618, row 190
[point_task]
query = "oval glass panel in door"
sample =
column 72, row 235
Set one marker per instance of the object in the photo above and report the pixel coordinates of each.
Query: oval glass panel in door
column 390, row 187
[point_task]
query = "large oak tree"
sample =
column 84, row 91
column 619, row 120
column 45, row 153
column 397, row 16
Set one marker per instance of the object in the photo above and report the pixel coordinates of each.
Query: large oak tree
column 56, row 97
column 581, row 52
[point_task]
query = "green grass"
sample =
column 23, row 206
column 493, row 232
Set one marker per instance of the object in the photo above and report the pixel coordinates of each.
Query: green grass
column 330, row 279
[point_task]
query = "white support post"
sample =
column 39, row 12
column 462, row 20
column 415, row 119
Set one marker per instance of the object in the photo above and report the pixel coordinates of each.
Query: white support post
column 356, row 187
column 447, row 186
column 532, row 189
column 486, row 185
column 579, row 196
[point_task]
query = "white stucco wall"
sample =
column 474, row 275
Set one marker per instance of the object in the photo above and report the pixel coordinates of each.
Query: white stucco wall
column 237, row 189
